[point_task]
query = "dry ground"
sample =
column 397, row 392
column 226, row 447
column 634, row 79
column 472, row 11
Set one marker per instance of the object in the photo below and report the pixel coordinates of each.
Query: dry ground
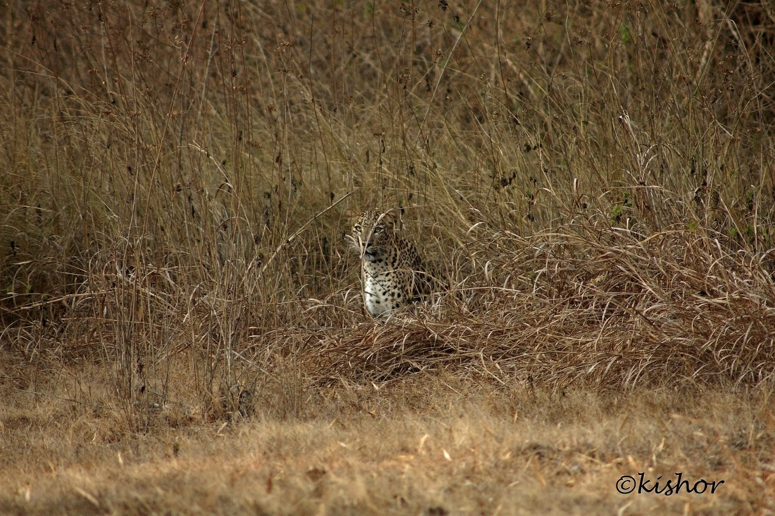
column 428, row 444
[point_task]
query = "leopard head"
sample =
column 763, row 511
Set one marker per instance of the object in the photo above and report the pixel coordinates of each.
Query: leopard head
column 375, row 234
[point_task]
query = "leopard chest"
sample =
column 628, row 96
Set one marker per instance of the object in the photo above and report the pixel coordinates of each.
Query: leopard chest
column 384, row 287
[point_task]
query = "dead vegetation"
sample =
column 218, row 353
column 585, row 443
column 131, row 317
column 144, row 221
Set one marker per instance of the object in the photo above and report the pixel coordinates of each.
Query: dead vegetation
column 596, row 179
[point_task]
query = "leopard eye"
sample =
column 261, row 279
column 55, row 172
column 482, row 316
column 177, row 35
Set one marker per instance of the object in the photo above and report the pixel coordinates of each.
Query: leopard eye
column 377, row 229
column 357, row 227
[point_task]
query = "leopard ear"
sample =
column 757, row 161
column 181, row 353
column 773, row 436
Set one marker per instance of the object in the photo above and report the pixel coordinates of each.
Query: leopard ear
column 351, row 215
column 393, row 218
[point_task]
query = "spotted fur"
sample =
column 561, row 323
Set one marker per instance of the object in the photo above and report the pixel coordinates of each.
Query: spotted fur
column 392, row 272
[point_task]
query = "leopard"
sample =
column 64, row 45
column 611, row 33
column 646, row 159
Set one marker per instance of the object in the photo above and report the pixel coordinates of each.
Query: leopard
column 393, row 274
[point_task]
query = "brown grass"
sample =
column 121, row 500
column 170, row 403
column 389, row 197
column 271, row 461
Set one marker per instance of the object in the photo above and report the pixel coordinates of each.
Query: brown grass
column 432, row 442
column 596, row 179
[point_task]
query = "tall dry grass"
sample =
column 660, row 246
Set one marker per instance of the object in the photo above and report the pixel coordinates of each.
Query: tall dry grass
column 596, row 179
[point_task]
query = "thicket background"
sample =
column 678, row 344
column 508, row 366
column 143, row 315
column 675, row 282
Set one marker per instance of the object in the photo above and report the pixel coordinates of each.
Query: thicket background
column 596, row 178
